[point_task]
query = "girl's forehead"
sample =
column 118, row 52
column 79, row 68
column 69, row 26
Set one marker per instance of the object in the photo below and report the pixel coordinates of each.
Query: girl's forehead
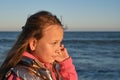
column 53, row 32
column 52, row 27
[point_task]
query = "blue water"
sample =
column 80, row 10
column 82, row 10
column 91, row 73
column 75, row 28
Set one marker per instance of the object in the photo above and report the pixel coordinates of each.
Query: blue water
column 96, row 55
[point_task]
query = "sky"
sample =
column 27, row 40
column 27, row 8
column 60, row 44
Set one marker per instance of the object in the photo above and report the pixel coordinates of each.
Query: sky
column 80, row 15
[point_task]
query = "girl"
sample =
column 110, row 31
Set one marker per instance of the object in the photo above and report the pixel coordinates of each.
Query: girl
column 38, row 53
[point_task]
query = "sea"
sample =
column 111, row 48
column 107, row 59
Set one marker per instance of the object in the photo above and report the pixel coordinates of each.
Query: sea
column 95, row 54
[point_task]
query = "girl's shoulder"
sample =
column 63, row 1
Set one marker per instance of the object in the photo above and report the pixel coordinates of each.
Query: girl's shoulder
column 30, row 69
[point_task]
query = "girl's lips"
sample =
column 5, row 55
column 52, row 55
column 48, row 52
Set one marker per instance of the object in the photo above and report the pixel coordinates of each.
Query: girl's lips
column 54, row 56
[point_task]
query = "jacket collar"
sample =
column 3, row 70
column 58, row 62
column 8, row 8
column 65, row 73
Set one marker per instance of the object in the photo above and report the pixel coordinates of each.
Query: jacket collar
column 29, row 55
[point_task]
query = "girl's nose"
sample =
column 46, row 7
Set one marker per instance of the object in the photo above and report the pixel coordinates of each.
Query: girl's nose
column 59, row 48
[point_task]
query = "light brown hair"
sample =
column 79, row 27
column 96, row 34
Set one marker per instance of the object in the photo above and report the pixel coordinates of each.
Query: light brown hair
column 32, row 29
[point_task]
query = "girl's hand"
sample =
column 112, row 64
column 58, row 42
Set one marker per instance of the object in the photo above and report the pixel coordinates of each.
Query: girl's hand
column 62, row 54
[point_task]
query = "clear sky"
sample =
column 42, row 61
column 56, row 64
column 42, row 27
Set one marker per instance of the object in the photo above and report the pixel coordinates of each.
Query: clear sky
column 83, row 15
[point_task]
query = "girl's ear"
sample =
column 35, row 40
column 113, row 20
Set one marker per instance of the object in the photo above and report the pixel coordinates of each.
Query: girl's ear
column 32, row 44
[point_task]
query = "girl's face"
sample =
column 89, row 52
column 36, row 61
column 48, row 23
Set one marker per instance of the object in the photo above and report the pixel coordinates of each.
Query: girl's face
column 48, row 46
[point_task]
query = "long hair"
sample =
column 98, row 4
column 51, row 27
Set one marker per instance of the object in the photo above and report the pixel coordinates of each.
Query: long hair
column 33, row 29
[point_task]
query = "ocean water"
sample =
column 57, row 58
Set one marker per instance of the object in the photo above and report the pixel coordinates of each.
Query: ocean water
column 96, row 55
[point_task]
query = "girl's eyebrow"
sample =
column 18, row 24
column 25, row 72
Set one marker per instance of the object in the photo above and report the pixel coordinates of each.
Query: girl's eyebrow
column 57, row 40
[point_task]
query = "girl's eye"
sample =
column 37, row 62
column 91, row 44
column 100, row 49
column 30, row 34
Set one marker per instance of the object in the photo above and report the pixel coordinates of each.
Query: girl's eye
column 54, row 43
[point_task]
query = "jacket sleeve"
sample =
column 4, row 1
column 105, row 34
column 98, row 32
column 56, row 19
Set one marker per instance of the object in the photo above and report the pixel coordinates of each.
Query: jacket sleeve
column 13, row 77
column 67, row 70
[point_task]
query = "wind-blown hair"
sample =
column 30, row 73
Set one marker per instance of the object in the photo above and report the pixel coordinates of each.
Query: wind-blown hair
column 33, row 28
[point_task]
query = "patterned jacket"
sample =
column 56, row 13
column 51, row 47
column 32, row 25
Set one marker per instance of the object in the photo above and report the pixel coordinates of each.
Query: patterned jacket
column 32, row 69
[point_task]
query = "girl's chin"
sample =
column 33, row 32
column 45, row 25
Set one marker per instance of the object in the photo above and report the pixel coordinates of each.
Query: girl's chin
column 51, row 61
